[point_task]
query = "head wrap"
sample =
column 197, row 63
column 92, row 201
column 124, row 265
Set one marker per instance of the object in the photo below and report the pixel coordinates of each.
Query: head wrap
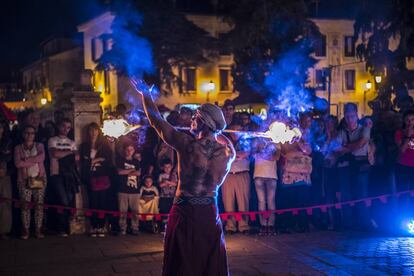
column 212, row 116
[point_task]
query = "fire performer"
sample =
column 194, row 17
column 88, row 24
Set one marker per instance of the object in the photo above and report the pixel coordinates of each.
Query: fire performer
column 194, row 240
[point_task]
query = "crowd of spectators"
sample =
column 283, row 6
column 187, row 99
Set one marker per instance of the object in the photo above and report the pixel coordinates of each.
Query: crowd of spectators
column 334, row 161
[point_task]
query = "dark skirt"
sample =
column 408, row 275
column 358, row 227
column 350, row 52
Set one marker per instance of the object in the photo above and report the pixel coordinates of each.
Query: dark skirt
column 194, row 242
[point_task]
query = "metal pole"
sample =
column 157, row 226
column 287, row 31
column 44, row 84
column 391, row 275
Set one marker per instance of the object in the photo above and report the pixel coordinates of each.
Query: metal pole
column 329, row 88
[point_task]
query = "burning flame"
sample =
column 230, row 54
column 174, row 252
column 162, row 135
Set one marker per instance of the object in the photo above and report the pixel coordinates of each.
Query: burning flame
column 115, row 128
column 278, row 132
column 281, row 133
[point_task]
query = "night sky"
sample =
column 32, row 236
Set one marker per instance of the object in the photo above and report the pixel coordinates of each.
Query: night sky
column 24, row 24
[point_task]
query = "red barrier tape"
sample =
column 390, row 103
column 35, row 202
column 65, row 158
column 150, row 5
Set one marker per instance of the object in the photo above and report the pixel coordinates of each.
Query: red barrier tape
column 224, row 216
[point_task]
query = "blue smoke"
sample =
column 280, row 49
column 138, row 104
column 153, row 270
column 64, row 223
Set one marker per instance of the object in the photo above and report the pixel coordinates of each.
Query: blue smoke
column 286, row 79
column 131, row 53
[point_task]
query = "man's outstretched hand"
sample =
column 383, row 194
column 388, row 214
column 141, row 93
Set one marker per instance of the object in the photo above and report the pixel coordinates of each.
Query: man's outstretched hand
column 141, row 87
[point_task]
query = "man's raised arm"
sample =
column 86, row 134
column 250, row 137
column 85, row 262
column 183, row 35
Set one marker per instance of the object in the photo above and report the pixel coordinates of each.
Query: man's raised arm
column 167, row 132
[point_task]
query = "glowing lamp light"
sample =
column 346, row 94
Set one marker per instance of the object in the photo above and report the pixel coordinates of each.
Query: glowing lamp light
column 208, row 87
column 211, row 86
column 115, row 128
column 378, row 79
column 281, row 133
column 410, row 227
column 368, row 85
column 43, row 101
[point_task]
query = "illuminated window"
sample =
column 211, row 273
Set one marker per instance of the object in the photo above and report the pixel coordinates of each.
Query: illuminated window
column 190, row 79
column 349, row 46
column 224, row 80
column 107, row 76
column 350, row 79
column 320, row 46
column 320, row 80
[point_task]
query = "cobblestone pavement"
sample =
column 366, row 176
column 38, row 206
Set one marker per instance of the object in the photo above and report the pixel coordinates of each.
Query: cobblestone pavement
column 317, row 253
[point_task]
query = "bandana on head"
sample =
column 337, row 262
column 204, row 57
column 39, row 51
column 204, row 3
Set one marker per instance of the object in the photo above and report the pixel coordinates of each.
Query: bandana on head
column 212, row 116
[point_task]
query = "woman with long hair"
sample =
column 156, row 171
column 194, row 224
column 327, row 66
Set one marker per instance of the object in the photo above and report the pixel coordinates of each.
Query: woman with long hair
column 404, row 169
column 29, row 160
column 5, row 184
column 96, row 158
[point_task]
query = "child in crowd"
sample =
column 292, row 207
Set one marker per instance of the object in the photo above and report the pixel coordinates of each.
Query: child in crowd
column 167, row 180
column 129, row 170
column 149, row 198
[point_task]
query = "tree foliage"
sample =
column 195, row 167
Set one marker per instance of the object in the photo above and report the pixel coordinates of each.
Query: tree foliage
column 264, row 33
column 175, row 41
column 385, row 31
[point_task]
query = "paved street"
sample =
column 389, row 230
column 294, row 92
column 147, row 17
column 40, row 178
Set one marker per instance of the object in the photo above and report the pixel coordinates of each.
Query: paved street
column 317, row 253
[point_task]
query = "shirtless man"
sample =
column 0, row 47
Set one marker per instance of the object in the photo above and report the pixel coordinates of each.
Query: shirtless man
column 194, row 240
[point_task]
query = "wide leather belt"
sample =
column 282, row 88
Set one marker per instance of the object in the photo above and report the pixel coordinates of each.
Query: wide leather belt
column 202, row 200
column 238, row 172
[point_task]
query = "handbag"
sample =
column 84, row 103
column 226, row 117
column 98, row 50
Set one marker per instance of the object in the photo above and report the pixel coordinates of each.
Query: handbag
column 35, row 183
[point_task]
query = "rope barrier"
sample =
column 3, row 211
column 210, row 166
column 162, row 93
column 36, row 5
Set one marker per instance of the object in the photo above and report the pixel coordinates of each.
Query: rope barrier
column 224, row 216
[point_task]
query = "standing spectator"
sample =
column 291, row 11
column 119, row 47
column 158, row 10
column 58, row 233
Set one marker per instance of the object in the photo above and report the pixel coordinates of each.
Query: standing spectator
column 167, row 180
column 164, row 151
column 329, row 172
column 64, row 177
column 96, row 158
column 245, row 121
column 228, row 111
column 404, row 170
column 50, row 129
column 296, row 178
column 129, row 170
column 28, row 158
column 121, row 111
column 236, row 186
column 149, row 198
column 266, row 155
column 353, row 166
column 31, row 118
column 185, row 117
column 5, row 183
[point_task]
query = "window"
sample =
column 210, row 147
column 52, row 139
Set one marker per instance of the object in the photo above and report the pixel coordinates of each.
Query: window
column 96, row 48
column 190, row 79
column 320, row 46
column 349, row 46
column 107, row 81
column 224, row 80
column 107, row 43
column 350, row 79
column 320, row 80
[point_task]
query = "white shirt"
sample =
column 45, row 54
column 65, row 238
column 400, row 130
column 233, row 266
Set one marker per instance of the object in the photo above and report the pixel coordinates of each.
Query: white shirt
column 264, row 168
column 59, row 144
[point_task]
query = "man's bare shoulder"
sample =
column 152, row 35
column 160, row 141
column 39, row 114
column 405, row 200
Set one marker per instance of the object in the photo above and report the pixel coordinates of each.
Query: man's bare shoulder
column 182, row 140
column 226, row 145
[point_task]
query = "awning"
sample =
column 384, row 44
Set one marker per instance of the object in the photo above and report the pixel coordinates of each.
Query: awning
column 7, row 113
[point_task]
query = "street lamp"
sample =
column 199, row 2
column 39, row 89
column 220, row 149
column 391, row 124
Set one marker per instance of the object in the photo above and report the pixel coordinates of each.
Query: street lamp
column 43, row 101
column 208, row 88
column 378, row 79
column 368, row 86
